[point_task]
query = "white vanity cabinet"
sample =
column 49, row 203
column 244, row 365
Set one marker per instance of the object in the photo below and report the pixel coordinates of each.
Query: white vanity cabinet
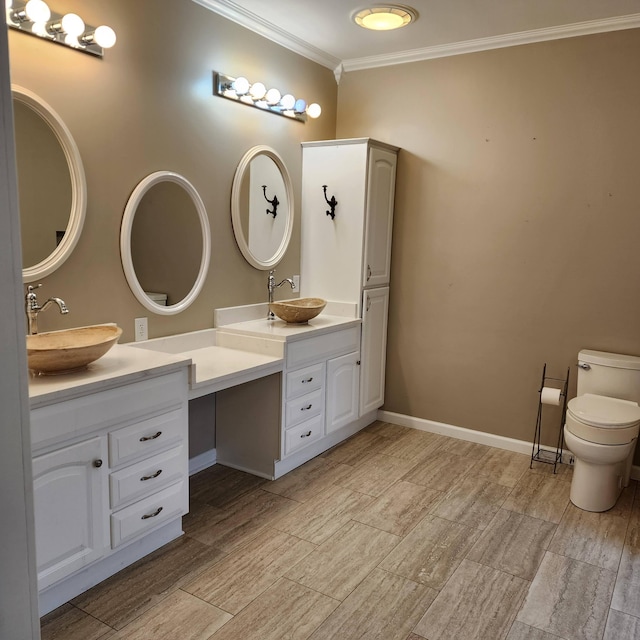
column 110, row 467
column 375, row 310
column 321, row 383
column 71, row 517
column 348, row 258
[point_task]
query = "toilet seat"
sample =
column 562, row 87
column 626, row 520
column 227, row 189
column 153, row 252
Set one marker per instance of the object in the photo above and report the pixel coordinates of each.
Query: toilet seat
column 603, row 420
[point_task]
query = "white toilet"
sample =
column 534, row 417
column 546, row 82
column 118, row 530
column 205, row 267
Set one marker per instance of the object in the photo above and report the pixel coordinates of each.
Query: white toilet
column 601, row 427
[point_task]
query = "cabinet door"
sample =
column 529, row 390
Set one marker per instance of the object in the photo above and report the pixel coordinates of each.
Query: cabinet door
column 70, row 509
column 379, row 217
column 331, row 250
column 374, row 348
column 343, row 377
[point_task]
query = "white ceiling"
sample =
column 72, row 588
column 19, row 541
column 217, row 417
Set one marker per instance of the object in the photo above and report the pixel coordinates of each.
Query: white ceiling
column 323, row 30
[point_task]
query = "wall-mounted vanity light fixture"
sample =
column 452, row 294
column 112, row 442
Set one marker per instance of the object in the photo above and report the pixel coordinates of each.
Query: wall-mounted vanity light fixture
column 256, row 95
column 36, row 19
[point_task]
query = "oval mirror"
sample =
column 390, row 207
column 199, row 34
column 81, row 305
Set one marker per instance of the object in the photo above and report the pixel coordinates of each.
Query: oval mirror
column 262, row 207
column 52, row 189
column 165, row 242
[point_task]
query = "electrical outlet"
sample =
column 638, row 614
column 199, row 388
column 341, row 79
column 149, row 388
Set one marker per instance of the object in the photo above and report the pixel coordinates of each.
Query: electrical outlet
column 141, row 329
column 296, row 282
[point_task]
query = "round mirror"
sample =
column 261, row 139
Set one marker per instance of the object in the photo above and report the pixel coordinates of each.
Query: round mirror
column 262, row 207
column 52, row 189
column 165, row 242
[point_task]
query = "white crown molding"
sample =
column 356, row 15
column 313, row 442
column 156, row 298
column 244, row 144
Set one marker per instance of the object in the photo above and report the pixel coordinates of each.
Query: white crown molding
column 498, row 42
column 230, row 10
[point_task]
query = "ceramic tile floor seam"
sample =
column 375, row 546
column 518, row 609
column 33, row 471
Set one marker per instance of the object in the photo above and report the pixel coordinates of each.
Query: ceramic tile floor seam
column 453, row 578
column 193, row 595
column 259, row 594
column 488, row 528
column 110, row 631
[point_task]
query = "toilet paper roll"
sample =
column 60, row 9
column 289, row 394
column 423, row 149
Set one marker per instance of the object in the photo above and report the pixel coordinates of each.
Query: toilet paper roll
column 549, row 395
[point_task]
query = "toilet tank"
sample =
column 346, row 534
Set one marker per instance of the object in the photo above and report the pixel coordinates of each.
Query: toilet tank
column 609, row 374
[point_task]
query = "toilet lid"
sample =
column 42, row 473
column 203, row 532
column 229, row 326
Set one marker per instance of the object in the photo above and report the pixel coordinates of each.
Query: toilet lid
column 601, row 411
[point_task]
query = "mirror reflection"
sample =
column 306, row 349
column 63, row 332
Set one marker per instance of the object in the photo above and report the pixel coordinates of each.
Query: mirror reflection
column 51, row 185
column 262, row 207
column 165, row 242
column 44, row 185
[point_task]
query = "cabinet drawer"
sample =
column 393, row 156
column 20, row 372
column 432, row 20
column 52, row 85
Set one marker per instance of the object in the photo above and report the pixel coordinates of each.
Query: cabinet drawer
column 150, row 475
column 304, row 408
column 305, row 380
column 148, row 513
column 110, row 408
column 323, row 347
column 303, row 434
column 146, row 437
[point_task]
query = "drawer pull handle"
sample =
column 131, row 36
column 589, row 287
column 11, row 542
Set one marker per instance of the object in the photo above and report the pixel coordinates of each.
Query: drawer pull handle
column 153, row 437
column 152, row 476
column 308, row 380
column 306, row 408
column 305, row 435
column 146, row 516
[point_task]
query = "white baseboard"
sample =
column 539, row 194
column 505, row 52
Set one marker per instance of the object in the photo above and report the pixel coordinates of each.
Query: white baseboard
column 490, row 439
column 202, row 461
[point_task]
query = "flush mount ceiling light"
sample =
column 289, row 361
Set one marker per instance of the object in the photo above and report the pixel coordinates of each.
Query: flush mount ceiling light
column 385, row 18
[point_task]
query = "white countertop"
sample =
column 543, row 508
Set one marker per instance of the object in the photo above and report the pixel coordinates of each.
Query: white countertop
column 122, row 364
column 216, row 368
column 280, row 330
column 217, row 358
column 219, row 361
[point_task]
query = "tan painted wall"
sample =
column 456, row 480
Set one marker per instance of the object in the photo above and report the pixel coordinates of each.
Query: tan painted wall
column 517, row 221
column 146, row 106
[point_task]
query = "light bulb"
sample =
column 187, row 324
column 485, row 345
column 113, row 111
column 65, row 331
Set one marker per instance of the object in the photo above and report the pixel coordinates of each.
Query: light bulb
column 257, row 90
column 314, row 110
column 288, row 101
column 37, row 11
column 273, row 96
column 300, row 106
column 72, row 24
column 40, row 29
column 104, row 37
column 71, row 41
column 241, row 85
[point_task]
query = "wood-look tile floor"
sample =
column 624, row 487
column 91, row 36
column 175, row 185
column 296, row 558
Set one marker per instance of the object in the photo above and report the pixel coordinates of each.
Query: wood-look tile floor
column 395, row 534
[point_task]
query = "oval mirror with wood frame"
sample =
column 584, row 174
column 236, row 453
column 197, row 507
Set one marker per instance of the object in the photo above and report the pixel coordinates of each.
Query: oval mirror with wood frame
column 165, row 243
column 262, row 207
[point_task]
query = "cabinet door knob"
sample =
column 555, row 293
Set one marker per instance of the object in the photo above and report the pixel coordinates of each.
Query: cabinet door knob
column 152, row 476
column 97, row 463
column 153, row 437
column 146, row 516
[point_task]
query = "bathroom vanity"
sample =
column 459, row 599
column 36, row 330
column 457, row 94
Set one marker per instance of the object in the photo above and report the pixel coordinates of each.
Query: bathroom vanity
column 110, row 467
column 319, row 395
column 311, row 406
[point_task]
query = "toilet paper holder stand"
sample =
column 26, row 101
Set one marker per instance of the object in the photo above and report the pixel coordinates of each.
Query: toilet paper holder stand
column 538, row 454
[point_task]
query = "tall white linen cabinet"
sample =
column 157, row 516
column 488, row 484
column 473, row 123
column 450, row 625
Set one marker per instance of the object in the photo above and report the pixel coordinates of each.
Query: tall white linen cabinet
column 346, row 257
